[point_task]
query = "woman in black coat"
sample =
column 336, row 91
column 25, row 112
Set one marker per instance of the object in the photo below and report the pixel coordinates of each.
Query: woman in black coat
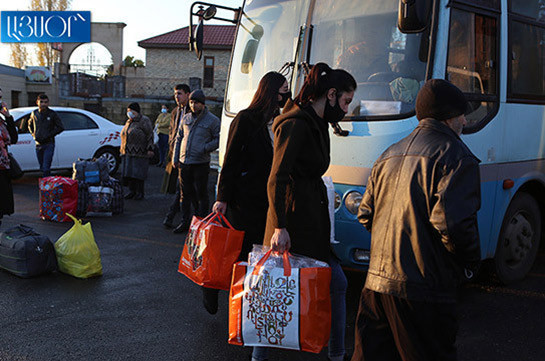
column 8, row 135
column 242, row 186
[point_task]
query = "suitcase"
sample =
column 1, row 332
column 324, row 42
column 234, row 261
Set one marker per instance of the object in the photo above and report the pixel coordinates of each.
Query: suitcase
column 26, row 253
column 58, row 196
column 83, row 199
column 100, row 201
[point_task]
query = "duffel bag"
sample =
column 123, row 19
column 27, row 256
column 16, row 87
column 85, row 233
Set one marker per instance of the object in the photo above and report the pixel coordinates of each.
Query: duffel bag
column 26, row 253
column 91, row 171
column 100, row 201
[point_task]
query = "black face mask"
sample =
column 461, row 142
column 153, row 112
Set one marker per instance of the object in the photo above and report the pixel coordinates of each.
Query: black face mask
column 333, row 114
column 285, row 97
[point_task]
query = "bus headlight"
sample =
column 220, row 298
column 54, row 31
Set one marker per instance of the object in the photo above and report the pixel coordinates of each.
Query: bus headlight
column 352, row 201
column 338, row 200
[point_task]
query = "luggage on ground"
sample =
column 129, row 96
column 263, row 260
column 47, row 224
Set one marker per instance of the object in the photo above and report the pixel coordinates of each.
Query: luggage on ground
column 77, row 252
column 211, row 248
column 83, row 199
column 117, row 200
column 26, row 253
column 92, row 171
column 280, row 301
column 100, row 201
column 58, row 196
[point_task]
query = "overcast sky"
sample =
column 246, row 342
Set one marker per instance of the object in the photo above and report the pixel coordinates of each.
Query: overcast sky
column 144, row 18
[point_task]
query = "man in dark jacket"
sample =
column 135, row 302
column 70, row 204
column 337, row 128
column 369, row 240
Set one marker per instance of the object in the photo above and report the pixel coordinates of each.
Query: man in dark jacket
column 420, row 206
column 170, row 180
column 198, row 135
column 44, row 124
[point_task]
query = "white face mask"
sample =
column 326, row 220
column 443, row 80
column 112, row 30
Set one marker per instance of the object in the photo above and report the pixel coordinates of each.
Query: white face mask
column 131, row 115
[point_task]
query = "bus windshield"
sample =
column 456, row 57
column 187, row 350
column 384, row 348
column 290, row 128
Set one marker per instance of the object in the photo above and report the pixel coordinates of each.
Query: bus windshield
column 266, row 40
column 362, row 38
column 358, row 36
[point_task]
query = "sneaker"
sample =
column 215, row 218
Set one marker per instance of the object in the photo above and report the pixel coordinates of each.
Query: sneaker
column 167, row 222
column 129, row 195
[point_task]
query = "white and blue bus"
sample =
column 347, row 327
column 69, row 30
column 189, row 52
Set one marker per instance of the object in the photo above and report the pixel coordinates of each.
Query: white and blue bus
column 494, row 50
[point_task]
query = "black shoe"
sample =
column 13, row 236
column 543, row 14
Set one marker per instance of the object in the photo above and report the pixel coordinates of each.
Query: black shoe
column 182, row 227
column 167, row 222
column 129, row 195
column 139, row 196
column 210, row 300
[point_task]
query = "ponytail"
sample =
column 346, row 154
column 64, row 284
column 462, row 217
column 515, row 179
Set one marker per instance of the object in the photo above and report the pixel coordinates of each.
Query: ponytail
column 322, row 78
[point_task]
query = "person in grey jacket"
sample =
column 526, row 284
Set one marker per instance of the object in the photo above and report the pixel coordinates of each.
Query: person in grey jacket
column 44, row 124
column 420, row 206
column 197, row 137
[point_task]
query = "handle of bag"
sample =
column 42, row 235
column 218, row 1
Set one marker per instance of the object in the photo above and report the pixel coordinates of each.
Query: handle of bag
column 73, row 218
column 285, row 261
column 224, row 219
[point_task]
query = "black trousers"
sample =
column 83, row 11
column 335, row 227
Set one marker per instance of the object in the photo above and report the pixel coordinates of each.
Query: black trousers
column 390, row 328
column 194, row 190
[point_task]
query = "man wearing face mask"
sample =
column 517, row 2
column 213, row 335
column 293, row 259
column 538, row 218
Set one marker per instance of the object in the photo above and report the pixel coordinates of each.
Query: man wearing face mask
column 162, row 126
column 197, row 137
column 420, row 206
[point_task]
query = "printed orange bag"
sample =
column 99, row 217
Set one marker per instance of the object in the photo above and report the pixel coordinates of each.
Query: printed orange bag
column 210, row 250
column 281, row 307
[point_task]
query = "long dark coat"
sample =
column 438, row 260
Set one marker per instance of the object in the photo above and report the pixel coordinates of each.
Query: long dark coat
column 170, row 177
column 243, row 178
column 6, row 190
column 297, row 194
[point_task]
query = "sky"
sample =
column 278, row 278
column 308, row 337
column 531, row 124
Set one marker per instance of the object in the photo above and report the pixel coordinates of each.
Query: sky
column 144, row 18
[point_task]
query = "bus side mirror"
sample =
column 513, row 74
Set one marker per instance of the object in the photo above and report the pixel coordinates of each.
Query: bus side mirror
column 413, row 15
column 250, row 50
column 198, row 39
column 248, row 57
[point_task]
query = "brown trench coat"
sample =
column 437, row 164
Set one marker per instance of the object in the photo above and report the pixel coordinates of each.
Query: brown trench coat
column 170, row 178
column 297, row 194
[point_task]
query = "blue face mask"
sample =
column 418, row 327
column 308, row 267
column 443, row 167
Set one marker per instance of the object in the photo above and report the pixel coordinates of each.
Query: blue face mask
column 163, row 110
column 131, row 115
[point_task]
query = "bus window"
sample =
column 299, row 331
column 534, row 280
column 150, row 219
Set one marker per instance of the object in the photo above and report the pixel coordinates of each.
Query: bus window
column 266, row 40
column 362, row 38
column 472, row 64
column 533, row 9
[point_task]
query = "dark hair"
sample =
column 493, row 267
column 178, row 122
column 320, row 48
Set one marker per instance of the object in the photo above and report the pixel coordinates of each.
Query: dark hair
column 322, row 78
column 42, row 96
column 183, row 87
column 266, row 96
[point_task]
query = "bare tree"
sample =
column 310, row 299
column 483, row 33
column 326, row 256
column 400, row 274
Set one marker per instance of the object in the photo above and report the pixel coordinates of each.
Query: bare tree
column 19, row 55
column 45, row 54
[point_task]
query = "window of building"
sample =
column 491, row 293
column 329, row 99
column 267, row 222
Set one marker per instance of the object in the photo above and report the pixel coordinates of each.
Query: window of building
column 15, row 101
column 472, row 63
column 208, row 76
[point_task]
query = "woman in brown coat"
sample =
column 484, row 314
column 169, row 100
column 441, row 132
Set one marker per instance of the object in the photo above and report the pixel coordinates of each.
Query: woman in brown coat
column 298, row 217
column 136, row 149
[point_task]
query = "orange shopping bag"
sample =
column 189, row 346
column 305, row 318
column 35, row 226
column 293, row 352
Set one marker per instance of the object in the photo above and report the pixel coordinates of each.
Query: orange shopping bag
column 279, row 305
column 210, row 250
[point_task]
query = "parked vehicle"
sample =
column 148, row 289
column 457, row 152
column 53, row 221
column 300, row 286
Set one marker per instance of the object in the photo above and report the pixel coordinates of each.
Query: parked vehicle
column 86, row 135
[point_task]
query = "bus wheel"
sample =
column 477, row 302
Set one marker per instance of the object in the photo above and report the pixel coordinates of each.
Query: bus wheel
column 519, row 239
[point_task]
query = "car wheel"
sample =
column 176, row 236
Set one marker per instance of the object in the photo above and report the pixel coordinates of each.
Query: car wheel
column 111, row 156
column 519, row 238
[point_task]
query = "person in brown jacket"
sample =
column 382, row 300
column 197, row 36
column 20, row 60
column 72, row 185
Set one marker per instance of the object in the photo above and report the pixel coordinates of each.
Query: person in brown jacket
column 170, row 179
column 298, row 215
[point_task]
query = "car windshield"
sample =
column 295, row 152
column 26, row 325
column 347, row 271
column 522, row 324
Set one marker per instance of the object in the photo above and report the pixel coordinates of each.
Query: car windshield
column 362, row 37
column 266, row 40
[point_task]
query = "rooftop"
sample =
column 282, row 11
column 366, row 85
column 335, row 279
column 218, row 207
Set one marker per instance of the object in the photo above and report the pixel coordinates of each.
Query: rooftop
column 215, row 37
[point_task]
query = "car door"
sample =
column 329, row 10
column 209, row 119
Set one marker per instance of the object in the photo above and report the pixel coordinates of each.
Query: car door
column 25, row 149
column 78, row 140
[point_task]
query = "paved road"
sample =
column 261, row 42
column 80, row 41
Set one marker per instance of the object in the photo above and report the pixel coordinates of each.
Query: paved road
column 142, row 309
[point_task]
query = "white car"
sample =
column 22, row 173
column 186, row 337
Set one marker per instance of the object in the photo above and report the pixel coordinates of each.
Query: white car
column 86, row 135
